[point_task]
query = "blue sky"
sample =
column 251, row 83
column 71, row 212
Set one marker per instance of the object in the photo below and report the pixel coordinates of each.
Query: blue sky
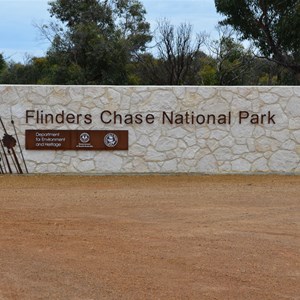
column 18, row 36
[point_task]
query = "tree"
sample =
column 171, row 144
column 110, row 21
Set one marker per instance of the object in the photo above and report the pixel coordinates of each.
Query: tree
column 273, row 26
column 34, row 71
column 232, row 60
column 208, row 72
column 2, row 62
column 177, row 52
column 97, row 38
column 2, row 66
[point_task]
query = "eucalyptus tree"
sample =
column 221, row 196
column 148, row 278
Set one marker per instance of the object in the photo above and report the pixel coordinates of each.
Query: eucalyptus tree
column 175, row 56
column 272, row 25
column 95, row 39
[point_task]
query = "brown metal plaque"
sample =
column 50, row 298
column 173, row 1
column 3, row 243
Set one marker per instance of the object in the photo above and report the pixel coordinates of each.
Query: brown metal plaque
column 76, row 140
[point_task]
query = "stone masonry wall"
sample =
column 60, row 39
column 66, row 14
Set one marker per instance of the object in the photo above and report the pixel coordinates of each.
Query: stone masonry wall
column 223, row 147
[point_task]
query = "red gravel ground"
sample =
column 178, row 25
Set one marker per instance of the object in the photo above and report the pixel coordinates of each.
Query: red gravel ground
column 150, row 237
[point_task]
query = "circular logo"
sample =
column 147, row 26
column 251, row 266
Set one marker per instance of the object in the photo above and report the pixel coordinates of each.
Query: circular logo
column 110, row 140
column 84, row 138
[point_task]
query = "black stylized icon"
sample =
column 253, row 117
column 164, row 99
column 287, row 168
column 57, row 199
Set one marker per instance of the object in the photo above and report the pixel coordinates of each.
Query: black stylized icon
column 20, row 148
column 10, row 156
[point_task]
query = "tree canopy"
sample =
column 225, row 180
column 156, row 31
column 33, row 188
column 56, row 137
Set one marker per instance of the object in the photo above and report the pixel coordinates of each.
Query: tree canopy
column 177, row 55
column 96, row 39
column 272, row 25
column 108, row 42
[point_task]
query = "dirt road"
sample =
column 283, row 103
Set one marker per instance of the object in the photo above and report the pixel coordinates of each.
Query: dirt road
column 150, row 237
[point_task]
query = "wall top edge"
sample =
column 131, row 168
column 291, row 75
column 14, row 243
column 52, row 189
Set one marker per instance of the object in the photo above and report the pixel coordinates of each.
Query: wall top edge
column 154, row 86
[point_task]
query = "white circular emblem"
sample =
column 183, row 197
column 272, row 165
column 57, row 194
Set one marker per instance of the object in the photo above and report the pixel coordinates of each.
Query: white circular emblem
column 84, row 137
column 111, row 140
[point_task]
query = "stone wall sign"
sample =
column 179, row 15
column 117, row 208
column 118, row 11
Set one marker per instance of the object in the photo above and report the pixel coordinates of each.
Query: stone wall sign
column 149, row 129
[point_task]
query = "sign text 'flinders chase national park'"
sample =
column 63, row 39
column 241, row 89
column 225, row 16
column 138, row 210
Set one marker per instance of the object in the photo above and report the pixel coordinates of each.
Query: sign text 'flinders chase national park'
column 107, row 129
column 114, row 117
